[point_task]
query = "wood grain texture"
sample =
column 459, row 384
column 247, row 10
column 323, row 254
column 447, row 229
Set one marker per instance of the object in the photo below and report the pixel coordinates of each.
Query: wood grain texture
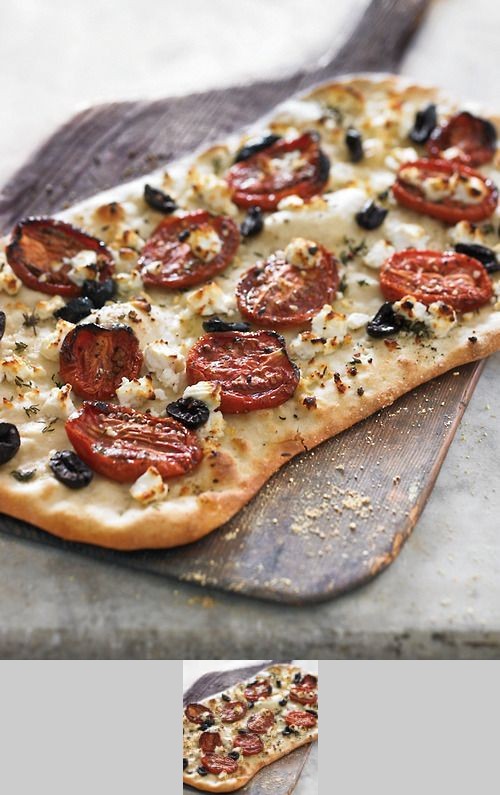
column 281, row 777
column 338, row 515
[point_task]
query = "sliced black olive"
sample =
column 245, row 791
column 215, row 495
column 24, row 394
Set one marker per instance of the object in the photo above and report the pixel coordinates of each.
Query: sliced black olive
column 75, row 310
column 283, row 702
column 484, row 254
column 242, row 731
column 202, row 770
column 224, row 696
column 371, row 216
column 206, row 725
column 216, row 324
column 233, row 755
column 385, row 322
column 312, row 712
column 323, row 166
column 297, row 678
column 354, row 143
column 98, row 292
column 10, row 441
column 159, row 200
column 250, row 704
column 254, row 146
column 70, row 470
column 184, row 763
column 253, row 222
column 425, row 121
column 182, row 236
column 3, row 320
column 278, row 682
column 286, row 730
column 192, row 413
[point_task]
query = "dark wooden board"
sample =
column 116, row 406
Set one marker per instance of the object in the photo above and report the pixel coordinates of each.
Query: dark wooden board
column 335, row 516
column 281, row 777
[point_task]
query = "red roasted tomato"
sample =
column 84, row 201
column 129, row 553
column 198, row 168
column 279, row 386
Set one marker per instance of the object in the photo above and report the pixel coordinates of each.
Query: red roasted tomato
column 258, row 690
column 302, row 694
column 190, row 249
column 473, row 138
column 38, row 251
column 199, row 714
column 277, row 294
column 217, row 763
column 286, row 167
column 209, row 741
column 460, row 281
column 121, row 443
column 303, row 720
column 94, row 359
column 253, row 369
column 250, row 744
column 446, row 209
column 233, row 711
column 261, row 722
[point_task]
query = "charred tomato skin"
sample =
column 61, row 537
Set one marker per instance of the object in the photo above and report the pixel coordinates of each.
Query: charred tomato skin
column 474, row 138
column 267, row 189
column 137, row 442
column 456, row 279
column 449, row 211
column 180, row 266
column 253, row 369
column 94, row 359
column 36, row 238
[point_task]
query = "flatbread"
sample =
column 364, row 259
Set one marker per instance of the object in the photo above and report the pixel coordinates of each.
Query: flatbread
column 281, row 680
column 240, row 451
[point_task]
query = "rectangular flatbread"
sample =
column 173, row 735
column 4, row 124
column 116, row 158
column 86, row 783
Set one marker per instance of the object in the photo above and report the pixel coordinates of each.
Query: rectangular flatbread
column 230, row 736
column 150, row 421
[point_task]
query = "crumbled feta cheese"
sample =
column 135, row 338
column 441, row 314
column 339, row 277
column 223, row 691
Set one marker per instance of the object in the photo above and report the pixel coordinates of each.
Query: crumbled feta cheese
column 341, row 173
column 136, row 392
column 306, row 345
column 438, row 186
column 442, row 318
column 149, row 487
column 405, row 235
column 128, row 284
column 58, row 403
column 465, row 232
column 302, row 253
column 411, row 309
column 211, row 191
column 14, row 368
column 204, row 242
column 292, row 202
column 378, row 254
column 400, row 155
column 166, row 362
column 329, row 324
column 357, row 320
column 83, row 266
column 45, row 309
column 209, row 299
column 51, row 343
column 9, row 283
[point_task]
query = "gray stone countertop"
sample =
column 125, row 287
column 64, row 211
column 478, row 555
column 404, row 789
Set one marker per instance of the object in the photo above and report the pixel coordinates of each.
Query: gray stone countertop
column 441, row 596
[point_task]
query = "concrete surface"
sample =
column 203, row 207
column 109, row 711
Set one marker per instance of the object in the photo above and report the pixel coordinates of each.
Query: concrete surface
column 441, row 597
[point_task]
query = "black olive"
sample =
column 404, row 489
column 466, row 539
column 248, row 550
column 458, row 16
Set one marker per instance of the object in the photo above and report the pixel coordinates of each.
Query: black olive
column 354, row 143
column 233, row 755
column 283, row 702
column 182, row 236
column 278, row 682
column 2, row 324
column 297, row 678
column 287, row 730
column 250, row 704
column 425, row 121
column 99, row 292
column 224, row 696
column 385, row 322
column 184, row 763
column 242, row 731
column 484, row 254
column 312, row 712
column 253, row 222
column 323, row 167
column 254, row 146
column 216, row 324
column 202, row 770
column 371, row 216
column 190, row 411
column 70, row 470
column 159, row 200
column 75, row 310
column 10, row 441
column 206, row 725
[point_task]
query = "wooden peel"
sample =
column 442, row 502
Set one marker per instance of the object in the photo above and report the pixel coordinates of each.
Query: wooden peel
column 291, row 543
column 281, row 777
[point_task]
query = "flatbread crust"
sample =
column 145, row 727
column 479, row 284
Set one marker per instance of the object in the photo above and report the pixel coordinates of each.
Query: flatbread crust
column 255, row 445
column 250, row 764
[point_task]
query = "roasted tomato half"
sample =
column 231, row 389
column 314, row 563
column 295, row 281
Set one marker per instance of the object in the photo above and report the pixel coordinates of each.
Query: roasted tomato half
column 218, row 763
column 297, row 166
column 460, row 281
column 249, row 744
column 188, row 249
column 466, row 138
column 121, row 443
column 277, row 293
column 41, row 250
column 199, row 713
column 445, row 190
column 302, row 720
column 94, row 359
column 253, row 369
